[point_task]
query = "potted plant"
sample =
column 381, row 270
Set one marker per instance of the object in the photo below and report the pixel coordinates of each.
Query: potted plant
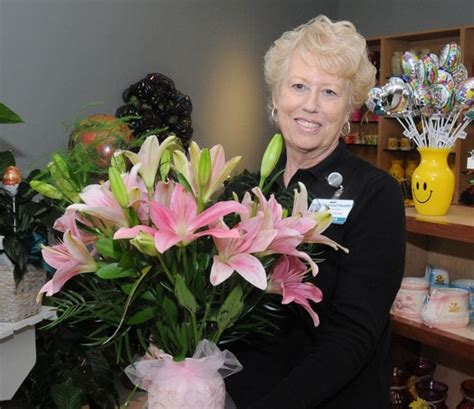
column 22, row 229
column 156, row 255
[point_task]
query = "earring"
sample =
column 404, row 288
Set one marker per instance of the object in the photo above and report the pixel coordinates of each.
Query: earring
column 346, row 131
column 273, row 114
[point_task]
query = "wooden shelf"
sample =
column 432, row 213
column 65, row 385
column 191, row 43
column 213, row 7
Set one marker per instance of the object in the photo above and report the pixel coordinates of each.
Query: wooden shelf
column 459, row 342
column 457, row 224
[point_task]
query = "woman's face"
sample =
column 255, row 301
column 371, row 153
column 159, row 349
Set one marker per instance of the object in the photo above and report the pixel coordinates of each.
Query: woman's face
column 312, row 106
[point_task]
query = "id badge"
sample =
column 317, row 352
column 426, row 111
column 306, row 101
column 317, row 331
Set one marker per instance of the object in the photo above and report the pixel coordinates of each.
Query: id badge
column 338, row 208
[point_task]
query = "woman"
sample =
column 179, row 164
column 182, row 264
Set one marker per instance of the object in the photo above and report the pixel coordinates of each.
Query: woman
column 318, row 73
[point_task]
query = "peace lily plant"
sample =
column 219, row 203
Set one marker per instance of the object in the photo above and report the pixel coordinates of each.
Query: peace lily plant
column 157, row 255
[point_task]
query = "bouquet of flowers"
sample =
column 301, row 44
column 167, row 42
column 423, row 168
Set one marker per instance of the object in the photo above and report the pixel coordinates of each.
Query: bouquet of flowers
column 159, row 257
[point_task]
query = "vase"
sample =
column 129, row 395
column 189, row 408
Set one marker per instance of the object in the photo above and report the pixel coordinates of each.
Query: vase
column 395, row 64
column 400, row 396
column 421, row 369
column 410, row 168
column 433, row 392
column 18, row 302
column 411, row 297
column 396, row 169
column 467, row 389
column 196, row 382
column 447, row 308
column 432, row 182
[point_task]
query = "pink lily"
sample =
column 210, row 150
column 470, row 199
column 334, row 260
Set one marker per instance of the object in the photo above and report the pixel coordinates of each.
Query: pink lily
column 101, row 203
column 290, row 231
column 234, row 254
column 322, row 220
column 149, row 156
column 286, row 279
column 179, row 222
column 220, row 169
column 68, row 222
column 69, row 258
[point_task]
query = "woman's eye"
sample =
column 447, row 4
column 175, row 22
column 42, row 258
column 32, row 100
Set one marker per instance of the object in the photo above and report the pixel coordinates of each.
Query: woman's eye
column 298, row 86
column 329, row 92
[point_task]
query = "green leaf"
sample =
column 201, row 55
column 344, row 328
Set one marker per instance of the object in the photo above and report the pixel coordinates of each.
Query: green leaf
column 142, row 316
column 170, row 310
column 148, row 296
column 108, row 247
column 230, row 309
column 184, row 296
column 66, row 396
column 7, row 116
column 112, row 271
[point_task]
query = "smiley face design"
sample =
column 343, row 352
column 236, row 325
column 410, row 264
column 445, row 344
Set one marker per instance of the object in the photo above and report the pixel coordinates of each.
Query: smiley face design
column 432, row 182
column 439, row 279
column 421, row 192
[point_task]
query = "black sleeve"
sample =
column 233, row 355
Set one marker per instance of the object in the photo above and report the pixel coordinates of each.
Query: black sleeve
column 368, row 279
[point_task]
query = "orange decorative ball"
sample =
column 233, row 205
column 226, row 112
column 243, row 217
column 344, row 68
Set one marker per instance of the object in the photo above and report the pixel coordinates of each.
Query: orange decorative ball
column 12, row 176
column 104, row 132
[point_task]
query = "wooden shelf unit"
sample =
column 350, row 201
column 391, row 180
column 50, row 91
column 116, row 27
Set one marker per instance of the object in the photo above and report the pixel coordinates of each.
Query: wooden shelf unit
column 433, row 40
column 456, row 231
column 450, row 342
column 457, row 224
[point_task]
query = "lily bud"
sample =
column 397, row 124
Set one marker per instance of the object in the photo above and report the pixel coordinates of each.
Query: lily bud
column 145, row 243
column 205, row 169
column 118, row 161
column 118, row 187
column 165, row 164
column 62, row 179
column 46, row 189
column 270, row 157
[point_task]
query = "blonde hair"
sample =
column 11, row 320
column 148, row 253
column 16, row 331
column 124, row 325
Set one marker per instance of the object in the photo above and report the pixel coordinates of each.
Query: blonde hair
column 335, row 47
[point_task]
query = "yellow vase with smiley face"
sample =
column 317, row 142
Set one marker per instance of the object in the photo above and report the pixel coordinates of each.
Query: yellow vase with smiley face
column 432, row 182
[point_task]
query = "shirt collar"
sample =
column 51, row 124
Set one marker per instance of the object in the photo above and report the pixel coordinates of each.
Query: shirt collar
column 319, row 171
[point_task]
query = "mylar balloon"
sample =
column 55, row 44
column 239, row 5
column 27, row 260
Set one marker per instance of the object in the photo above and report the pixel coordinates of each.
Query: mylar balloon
column 434, row 58
column 397, row 96
column 430, row 70
column 465, row 93
column 442, row 98
column 450, row 56
column 409, row 61
column 446, row 79
column 374, row 101
column 423, row 100
column 460, row 73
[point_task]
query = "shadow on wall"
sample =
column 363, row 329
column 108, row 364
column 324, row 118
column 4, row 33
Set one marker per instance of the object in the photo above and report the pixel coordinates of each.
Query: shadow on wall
column 234, row 105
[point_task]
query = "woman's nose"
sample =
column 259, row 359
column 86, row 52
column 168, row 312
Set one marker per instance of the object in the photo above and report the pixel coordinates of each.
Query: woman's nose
column 311, row 103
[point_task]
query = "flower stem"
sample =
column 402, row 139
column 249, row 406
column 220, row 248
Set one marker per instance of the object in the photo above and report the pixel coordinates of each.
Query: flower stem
column 197, row 336
column 206, row 311
column 165, row 268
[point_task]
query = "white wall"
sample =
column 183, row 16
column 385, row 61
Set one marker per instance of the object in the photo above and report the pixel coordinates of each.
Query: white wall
column 58, row 55
column 376, row 17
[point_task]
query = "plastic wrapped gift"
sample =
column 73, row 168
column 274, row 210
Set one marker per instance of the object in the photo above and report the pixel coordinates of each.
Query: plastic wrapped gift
column 194, row 383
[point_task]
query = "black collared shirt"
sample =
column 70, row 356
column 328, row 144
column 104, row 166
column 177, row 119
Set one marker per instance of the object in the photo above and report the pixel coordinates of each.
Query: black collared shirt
column 343, row 363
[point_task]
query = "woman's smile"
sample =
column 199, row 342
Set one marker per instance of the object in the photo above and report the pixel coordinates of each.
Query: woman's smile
column 308, row 125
